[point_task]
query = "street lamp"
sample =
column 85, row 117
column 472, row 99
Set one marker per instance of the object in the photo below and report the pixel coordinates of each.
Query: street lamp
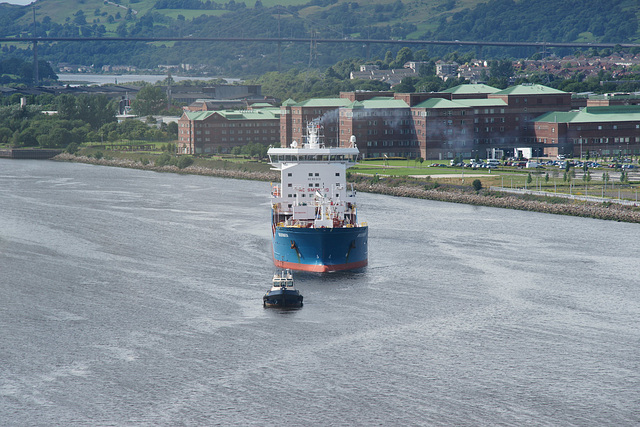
column 580, row 147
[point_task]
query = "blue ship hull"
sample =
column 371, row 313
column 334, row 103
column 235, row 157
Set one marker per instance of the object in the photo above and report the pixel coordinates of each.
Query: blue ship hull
column 320, row 249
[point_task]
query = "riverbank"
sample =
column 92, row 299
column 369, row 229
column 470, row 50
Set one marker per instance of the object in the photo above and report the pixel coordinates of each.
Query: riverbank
column 451, row 194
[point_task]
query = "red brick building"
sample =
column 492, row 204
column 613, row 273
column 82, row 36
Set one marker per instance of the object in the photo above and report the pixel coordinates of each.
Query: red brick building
column 295, row 116
column 209, row 132
column 382, row 126
column 600, row 131
column 467, row 120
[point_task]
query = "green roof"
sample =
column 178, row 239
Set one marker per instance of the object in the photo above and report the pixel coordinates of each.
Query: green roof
column 262, row 114
column 623, row 113
column 289, row 102
column 491, row 102
column 198, row 115
column 439, row 103
column 471, row 89
column 323, row 102
column 529, row 89
column 379, row 102
column 461, row 103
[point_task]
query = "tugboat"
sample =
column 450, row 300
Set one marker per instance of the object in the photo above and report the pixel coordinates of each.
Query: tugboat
column 282, row 292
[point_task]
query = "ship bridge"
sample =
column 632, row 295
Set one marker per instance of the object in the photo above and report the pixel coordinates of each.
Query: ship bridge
column 278, row 156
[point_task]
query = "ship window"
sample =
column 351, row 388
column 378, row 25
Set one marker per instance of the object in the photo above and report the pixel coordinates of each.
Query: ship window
column 289, row 205
column 311, row 184
column 317, row 184
column 289, row 195
column 289, row 174
column 337, row 195
column 310, row 173
column 337, row 173
column 317, row 174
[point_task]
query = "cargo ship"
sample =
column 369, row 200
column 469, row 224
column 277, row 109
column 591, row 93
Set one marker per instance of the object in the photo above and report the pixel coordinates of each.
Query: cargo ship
column 314, row 218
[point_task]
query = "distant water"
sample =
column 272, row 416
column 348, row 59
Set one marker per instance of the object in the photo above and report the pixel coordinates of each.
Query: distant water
column 135, row 298
column 102, row 79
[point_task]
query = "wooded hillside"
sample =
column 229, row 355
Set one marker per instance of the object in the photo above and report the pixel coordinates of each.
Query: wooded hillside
column 614, row 21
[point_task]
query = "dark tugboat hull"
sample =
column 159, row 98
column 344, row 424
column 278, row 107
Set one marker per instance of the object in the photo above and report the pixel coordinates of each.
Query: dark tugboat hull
column 282, row 299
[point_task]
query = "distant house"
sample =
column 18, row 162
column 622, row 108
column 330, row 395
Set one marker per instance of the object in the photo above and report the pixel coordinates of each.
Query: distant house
column 474, row 71
column 446, row 70
column 392, row 77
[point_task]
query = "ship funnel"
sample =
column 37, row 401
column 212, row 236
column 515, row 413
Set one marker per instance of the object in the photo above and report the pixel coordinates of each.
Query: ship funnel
column 352, row 141
column 312, row 137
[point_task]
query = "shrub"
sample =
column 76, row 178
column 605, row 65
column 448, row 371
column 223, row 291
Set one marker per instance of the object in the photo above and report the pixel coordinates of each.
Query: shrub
column 72, row 148
column 185, row 161
column 163, row 160
column 477, row 185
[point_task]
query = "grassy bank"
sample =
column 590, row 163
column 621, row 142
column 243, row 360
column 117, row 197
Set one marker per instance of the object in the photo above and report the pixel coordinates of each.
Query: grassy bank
column 442, row 189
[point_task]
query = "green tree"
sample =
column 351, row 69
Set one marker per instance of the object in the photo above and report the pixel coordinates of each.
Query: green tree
column 407, row 85
column 477, row 185
column 79, row 18
column 172, row 129
column 149, row 100
column 5, row 135
column 405, row 54
column 529, row 178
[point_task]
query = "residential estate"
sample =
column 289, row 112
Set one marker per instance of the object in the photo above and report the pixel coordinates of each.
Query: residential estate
column 471, row 120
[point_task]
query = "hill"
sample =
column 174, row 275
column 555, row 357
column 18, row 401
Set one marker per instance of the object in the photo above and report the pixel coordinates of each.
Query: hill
column 614, row 21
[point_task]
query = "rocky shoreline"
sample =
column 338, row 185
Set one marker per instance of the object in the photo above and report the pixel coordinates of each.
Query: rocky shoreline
column 498, row 200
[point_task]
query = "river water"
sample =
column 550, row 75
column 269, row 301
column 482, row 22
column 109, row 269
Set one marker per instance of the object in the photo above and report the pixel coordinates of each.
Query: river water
column 135, row 298
column 102, row 79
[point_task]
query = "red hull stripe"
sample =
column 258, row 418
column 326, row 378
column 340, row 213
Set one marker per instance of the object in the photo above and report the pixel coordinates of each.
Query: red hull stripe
column 317, row 268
